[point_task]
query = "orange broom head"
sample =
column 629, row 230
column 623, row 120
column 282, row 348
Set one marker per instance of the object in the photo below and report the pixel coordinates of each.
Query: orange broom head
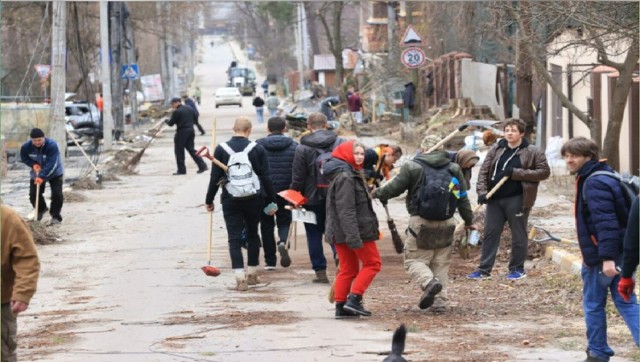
column 211, row 271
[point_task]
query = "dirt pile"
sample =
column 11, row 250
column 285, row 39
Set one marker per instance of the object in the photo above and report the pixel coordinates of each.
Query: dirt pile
column 118, row 163
column 74, row 196
column 41, row 234
column 86, row 183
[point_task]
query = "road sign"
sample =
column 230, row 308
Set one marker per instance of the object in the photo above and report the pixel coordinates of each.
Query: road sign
column 411, row 38
column 43, row 70
column 413, row 57
column 130, row 71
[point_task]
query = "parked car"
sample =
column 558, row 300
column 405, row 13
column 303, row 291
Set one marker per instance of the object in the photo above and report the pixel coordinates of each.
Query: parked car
column 228, row 96
column 82, row 114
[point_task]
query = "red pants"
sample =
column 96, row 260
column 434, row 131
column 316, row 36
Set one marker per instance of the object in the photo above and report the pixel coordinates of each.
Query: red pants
column 350, row 277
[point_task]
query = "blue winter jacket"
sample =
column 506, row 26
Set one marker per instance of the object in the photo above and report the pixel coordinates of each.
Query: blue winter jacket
column 602, row 224
column 280, row 151
column 48, row 156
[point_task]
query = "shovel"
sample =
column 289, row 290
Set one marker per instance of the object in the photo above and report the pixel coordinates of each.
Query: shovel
column 474, row 122
column 210, row 270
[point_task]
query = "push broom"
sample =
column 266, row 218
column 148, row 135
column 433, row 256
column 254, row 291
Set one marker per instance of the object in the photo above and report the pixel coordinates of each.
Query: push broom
column 209, row 269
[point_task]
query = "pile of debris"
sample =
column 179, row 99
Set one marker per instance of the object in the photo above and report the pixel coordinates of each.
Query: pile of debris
column 41, row 234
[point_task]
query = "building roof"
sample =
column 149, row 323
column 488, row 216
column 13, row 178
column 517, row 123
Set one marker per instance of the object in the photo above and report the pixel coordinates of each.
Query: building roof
column 324, row 62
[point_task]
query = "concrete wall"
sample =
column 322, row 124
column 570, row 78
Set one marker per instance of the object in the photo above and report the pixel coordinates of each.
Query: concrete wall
column 478, row 82
column 18, row 120
column 582, row 91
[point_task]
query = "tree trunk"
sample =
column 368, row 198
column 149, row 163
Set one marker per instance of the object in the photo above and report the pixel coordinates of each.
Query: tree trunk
column 611, row 144
column 524, row 78
column 337, row 42
column 310, row 9
column 115, row 17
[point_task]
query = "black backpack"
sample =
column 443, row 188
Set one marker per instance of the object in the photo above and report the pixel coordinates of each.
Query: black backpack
column 322, row 156
column 629, row 185
column 436, row 200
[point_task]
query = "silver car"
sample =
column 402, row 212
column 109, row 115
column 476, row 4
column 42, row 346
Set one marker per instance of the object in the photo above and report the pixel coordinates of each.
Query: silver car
column 228, row 96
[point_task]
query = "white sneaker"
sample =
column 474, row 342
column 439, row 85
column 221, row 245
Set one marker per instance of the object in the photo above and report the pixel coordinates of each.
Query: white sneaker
column 269, row 267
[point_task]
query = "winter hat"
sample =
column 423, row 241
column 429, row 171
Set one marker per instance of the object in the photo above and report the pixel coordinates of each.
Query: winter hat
column 344, row 152
column 36, row 133
column 429, row 141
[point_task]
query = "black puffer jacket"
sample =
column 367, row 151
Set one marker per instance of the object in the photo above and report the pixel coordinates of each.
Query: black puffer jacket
column 350, row 215
column 304, row 164
column 280, row 151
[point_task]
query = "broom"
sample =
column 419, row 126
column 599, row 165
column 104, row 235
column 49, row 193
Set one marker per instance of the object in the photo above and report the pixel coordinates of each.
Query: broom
column 133, row 162
column 208, row 269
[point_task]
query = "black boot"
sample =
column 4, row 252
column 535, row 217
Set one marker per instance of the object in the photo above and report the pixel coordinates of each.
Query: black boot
column 354, row 305
column 341, row 313
column 430, row 291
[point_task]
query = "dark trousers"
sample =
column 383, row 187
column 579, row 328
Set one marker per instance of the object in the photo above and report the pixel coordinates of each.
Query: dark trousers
column 282, row 219
column 498, row 212
column 184, row 139
column 314, row 238
column 56, row 196
column 199, row 126
column 239, row 215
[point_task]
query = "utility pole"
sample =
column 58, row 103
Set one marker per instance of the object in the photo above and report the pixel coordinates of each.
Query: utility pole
column 170, row 55
column 391, row 32
column 164, row 72
column 116, row 66
column 58, row 77
column 107, row 117
column 415, row 77
column 299, row 47
column 131, row 59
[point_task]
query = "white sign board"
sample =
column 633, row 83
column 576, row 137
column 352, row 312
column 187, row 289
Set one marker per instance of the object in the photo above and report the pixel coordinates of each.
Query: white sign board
column 413, row 57
column 411, row 38
column 43, row 70
column 152, row 87
column 303, row 215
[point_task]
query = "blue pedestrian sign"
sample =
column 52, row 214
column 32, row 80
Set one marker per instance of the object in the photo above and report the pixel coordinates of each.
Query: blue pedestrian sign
column 130, row 71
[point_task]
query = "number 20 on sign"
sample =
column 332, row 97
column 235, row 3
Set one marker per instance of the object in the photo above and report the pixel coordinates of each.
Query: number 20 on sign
column 413, row 57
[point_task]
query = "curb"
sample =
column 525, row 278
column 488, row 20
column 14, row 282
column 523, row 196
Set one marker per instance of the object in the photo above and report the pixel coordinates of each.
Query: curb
column 567, row 261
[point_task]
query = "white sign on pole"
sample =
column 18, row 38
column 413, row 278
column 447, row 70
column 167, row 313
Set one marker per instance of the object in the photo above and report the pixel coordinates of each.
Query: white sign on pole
column 411, row 37
column 152, row 87
column 413, row 57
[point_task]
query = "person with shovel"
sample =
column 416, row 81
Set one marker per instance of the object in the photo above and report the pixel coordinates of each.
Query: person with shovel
column 427, row 249
column 242, row 197
column 525, row 166
column 379, row 161
column 43, row 156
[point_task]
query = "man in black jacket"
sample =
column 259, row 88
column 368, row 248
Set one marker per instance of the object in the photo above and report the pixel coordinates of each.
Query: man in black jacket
column 184, row 118
column 280, row 151
column 242, row 213
column 189, row 102
column 305, row 180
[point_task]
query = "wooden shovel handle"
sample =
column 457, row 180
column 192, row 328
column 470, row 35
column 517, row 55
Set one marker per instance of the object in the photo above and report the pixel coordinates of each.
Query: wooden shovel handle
column 497, row 187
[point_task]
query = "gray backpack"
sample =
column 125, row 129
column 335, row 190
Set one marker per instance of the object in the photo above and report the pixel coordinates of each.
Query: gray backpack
column 242, row 180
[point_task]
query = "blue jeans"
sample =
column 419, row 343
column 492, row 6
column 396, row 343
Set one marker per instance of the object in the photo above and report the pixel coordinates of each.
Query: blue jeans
column 260, row 114
column 314, row 238
column 596, row 287
column 273, row 112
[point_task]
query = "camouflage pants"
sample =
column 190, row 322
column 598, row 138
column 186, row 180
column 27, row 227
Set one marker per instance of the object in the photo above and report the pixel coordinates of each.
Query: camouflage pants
column 9, row 331
column 425, row 264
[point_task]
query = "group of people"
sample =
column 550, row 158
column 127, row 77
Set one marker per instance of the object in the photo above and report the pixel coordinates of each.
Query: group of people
column 272, row 102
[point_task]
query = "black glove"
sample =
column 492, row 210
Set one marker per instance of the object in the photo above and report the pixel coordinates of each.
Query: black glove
column 507, row 172
column 166, row 121
column 482, row 199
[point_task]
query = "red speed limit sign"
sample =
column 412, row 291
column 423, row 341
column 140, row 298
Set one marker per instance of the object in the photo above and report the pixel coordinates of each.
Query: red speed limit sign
column 413, row 57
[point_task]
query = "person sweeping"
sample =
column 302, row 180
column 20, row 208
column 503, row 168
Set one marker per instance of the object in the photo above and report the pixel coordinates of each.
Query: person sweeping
column 352, row 226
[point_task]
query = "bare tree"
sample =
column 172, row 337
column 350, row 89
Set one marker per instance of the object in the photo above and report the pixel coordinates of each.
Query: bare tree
column 333, row 33
column 609, row 31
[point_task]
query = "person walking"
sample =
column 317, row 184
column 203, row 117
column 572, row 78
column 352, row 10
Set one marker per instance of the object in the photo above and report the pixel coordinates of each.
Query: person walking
column 189, row 102
column 184, row 117
column 306, row 178
column 280, row 151
column 602, row 217
column 525, row 166
column 258, row 102
column 43, row 156
column 198, row 95
column 20, row 271
column 242, row 198
column 427, row 248
column 272, row 104
column 265, row 88
column 352, row 226
column 355, row 106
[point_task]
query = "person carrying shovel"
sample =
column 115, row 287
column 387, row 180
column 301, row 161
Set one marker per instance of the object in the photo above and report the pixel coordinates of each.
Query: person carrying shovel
column 43, row 156
column 427, row 249
column 525, row 166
